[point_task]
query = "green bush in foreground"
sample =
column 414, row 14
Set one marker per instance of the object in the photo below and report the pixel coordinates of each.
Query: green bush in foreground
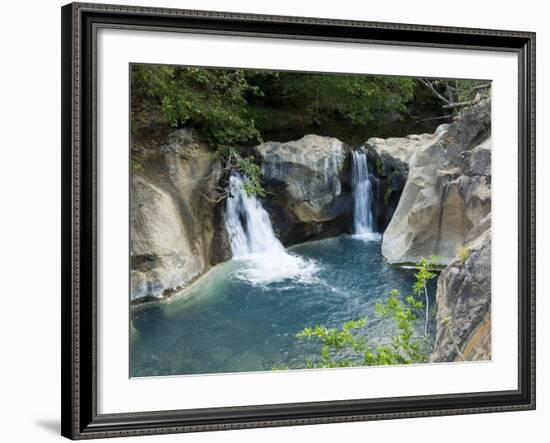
column 344, row 347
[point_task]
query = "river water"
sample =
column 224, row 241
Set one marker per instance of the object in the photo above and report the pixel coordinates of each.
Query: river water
column 243, row 315
column 230, row 322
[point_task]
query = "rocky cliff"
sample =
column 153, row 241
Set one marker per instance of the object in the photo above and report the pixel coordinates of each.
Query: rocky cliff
column 444, row 211
column 177, row 231
column 447, row 191
column 464, row 301
column 432, row 191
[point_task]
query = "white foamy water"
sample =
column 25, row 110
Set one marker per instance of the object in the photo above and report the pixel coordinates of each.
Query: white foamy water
column 262, row 269
column 254, row 243
column 369, row 236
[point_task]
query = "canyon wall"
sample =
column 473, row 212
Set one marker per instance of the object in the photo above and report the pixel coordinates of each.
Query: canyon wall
column 432, row 198
column 444, row 212
column 447, row 191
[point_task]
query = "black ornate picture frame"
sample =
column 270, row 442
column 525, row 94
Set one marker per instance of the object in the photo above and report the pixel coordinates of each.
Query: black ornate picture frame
column 80, row 419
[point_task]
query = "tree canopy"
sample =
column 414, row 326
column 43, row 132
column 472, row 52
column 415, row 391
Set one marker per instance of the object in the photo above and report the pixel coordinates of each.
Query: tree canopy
column 235, row 107
column 210, row 100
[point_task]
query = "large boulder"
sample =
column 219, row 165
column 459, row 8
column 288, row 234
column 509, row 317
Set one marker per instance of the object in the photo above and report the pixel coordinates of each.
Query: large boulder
column 177, row 230
column 447, row 191
column 464, row 301
column 403, row 148
column 389, row 159
column 309, row 187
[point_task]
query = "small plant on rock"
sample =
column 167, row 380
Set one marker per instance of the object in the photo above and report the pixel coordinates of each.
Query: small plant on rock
column 463, row 254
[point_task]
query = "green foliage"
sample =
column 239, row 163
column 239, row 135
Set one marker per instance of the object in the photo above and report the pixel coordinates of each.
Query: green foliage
column 230, row 107
column 335, row 339
column 137, row 163
column 404, row 347
column 463, row 254
column 246, row 166
column 420, row 288
column 345, row 346
column 316, row 98
column 210, row 100
column 253, row 173
column 466, row 89
column 423, row 276
column 458, row 93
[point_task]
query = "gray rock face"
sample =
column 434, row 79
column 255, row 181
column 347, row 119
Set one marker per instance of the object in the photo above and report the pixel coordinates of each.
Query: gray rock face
column 447, row 191
column 177, row 233
column 310, row 181
column 162, row 255
column 404, row 148
column 444, row 211
column 390, row 159
column 464, row 301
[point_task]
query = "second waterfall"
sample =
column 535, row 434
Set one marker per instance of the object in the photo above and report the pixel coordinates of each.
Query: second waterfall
column 363, row 218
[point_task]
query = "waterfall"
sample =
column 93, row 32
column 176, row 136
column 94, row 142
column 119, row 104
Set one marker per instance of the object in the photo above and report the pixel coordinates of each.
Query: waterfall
column 247, row 222
column 254, row 243
column 363, row 219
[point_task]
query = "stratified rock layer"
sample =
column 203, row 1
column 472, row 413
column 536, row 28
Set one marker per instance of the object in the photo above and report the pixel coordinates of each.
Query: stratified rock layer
column 447, row 191
column 177, row 232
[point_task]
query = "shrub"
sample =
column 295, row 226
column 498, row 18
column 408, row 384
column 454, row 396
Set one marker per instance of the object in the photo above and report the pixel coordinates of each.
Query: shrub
column 342, row 347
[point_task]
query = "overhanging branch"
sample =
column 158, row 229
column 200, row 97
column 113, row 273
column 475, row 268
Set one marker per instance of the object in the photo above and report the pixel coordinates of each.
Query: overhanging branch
column 431, row 87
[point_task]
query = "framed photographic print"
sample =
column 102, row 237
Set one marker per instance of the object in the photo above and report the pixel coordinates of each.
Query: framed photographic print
column 273, row 221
